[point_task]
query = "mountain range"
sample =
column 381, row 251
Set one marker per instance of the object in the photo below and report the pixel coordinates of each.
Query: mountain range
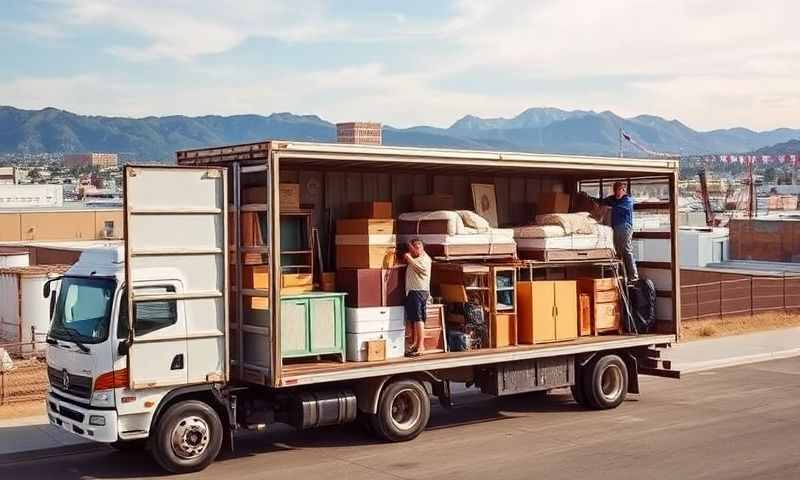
column 546, row 130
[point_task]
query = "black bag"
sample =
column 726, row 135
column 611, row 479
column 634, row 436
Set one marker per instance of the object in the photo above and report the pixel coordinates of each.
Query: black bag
column 643, row 305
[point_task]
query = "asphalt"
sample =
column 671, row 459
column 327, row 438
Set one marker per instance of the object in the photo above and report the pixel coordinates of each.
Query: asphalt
column 733, row 423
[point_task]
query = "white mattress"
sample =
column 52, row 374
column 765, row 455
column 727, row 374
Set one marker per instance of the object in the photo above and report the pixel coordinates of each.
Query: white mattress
column 539, row 231
column 603, row 239
column 498, row 236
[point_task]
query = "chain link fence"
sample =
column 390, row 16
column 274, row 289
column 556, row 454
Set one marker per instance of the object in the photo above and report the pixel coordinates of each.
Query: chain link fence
column 23, row 370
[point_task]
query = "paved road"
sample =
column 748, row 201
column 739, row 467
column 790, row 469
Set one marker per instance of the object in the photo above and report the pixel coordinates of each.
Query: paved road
column 735, row 423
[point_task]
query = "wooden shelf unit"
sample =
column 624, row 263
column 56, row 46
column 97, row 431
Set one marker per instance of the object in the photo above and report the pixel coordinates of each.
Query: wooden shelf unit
column 502, row 316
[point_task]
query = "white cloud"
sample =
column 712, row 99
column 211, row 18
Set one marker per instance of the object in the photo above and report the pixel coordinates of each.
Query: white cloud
column 709, row 63
column 185, row 29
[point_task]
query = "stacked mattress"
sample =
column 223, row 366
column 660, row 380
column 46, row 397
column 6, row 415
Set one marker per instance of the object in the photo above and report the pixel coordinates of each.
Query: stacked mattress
column 564, row 232
column 453, row 233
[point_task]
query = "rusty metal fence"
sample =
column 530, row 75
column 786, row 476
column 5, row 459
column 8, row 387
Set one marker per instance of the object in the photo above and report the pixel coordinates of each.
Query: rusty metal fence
column 706, row 293
column 23, row 370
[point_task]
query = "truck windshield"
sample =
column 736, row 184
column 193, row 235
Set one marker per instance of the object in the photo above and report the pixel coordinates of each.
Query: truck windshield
column 83, row 309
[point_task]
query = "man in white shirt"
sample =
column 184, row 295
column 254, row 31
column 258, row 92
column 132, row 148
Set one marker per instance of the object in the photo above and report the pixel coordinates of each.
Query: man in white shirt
column 418, row 287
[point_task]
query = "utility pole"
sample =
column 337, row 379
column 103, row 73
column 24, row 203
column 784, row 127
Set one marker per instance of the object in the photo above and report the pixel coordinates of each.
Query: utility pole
column 752, row 203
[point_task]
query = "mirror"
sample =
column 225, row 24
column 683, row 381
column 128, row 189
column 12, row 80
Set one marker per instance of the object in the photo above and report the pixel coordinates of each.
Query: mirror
column 46, row 288
column 123, row 348
column 52, row 306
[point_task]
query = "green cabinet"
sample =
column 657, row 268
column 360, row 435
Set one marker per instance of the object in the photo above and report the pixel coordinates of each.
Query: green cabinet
column 312, row 324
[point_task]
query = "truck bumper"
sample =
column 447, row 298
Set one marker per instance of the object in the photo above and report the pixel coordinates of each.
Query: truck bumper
column 96, row 425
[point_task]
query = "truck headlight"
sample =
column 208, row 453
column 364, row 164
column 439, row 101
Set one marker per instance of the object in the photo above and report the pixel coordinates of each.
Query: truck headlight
column 103, row 398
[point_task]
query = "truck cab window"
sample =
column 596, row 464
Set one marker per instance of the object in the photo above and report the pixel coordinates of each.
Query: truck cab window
column 150, row 316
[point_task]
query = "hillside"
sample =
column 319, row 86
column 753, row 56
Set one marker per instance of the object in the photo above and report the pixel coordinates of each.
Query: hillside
column 792, row 146
column 535, row 130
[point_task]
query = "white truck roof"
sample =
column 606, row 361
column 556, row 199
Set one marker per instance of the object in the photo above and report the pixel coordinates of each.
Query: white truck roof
column 106, row 261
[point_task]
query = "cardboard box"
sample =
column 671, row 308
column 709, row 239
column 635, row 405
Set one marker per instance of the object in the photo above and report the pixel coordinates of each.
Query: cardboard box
column 255, row 277
column 376, row 350
column 375, row 210
column 365, row 256
column 433, row 202
column 365, row 226
column 297, row 282
column 367, row 287
column 552, row 202
column 289, row 195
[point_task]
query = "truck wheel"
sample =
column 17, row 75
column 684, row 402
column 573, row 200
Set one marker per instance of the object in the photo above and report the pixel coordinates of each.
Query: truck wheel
column 404, row 409
column 188, row 437
column 605, row 382
column 577, row 389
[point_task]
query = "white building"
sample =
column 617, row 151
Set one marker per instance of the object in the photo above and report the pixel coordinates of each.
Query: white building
column 31, row 196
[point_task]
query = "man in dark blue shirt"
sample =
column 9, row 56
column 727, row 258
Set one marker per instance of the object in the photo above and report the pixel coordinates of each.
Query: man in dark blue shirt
column 622, row 222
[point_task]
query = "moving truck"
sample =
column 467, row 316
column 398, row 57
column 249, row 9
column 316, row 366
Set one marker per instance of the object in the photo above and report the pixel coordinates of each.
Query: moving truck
column 162, row 343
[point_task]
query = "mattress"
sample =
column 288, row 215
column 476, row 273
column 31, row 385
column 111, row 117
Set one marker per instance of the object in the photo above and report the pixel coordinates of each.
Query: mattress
column 539, row 231
column 604, row 238
column 497, row 236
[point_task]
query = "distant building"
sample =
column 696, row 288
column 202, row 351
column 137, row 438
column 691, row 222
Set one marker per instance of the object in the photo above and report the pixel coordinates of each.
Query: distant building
column 31, row 196
column 102, row 160
column 7, row 176
column 362, row 133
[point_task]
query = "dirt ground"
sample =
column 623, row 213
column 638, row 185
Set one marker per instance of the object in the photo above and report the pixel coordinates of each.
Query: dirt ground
column 736, row 325
column 22, row 389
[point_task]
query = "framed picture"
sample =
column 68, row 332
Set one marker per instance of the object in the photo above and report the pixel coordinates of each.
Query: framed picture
column 485, row 201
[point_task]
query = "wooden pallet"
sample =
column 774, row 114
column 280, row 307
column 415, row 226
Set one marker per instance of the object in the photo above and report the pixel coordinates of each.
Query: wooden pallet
column 561, row 255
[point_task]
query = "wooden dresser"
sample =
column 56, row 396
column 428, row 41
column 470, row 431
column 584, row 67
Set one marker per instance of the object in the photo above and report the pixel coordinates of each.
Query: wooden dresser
column 604, row 304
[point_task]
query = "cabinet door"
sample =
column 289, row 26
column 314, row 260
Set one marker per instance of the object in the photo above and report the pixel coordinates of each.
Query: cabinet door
column 544, row 325
column 326, row 324
column 294, row 327
column 566, row 310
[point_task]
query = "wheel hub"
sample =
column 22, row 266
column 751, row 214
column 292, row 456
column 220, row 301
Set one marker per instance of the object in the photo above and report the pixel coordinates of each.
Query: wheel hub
column 611, row 383
column 406, row 409
column 190, row 437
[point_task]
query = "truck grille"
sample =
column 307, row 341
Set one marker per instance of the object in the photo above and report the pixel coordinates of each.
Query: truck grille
column 78, row 385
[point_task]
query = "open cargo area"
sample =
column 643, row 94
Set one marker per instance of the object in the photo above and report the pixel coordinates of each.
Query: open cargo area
column 316, row 277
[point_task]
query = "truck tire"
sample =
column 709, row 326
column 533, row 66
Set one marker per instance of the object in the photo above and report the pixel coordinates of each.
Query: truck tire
column 404, row 409
column 605, row 382
column 187, row 437
column 577, row 389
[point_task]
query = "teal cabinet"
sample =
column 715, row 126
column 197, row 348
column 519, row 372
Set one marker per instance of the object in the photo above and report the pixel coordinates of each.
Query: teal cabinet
column 312, row 324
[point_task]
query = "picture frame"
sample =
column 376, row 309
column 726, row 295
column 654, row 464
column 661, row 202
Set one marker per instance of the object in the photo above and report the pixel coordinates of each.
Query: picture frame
column 484, row 200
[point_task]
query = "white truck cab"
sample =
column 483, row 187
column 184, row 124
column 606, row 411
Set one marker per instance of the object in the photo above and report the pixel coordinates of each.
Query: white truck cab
column 113, row 374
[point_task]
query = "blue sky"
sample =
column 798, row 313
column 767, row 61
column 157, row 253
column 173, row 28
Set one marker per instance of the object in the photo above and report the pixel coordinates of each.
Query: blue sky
column 709, row 63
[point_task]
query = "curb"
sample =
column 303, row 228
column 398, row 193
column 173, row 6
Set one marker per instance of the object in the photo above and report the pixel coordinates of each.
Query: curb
column 29, row 455
column 693, row 367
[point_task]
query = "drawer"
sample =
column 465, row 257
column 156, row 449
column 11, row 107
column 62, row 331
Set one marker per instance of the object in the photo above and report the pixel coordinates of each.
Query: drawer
column 605, row 284
column 375, row 319
column 607, row 296
column 607, row 316
column 364, row 227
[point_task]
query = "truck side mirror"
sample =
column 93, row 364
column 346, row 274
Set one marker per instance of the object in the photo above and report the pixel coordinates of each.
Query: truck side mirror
column 123, row 348
column 52, row 306
column 46, row 288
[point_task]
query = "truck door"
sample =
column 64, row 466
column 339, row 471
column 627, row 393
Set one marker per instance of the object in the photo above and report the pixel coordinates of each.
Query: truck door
column 175, row 238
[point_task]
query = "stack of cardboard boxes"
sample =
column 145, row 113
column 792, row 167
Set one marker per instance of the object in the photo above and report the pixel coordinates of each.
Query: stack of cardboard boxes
column 366, row 249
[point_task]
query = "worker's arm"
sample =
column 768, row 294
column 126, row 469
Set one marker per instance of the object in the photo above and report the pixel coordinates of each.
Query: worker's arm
column 419, row 265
